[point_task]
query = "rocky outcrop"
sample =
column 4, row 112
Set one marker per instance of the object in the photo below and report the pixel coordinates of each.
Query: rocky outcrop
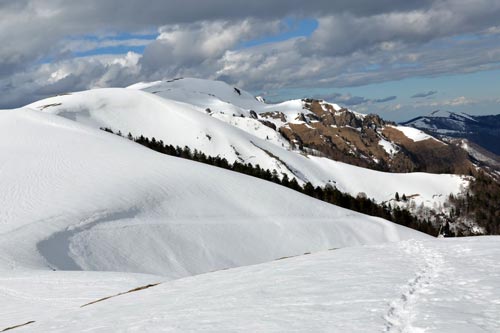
column 367, row 141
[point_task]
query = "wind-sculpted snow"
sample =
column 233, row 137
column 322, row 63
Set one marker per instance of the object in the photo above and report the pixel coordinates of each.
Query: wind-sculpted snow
column 77, row 198
column 411, row 286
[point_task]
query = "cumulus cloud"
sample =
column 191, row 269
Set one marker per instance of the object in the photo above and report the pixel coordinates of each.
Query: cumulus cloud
column 387, row 30
column 458, row 101
column 357, row 42
column 31, row 30
column 181, row 48
column 69, row 75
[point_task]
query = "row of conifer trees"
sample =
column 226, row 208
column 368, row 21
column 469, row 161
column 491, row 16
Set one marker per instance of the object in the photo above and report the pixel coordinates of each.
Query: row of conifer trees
column 327, row 193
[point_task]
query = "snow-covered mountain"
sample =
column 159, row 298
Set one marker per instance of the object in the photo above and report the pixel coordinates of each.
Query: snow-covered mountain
column 324, row 128
column 100, row 233
column 77, row 198
column 478, row 135
column 221, row 120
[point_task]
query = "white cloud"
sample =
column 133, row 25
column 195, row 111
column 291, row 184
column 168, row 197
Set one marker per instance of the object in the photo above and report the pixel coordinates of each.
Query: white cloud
column 357, row 43
column 458, row 101
column 196, row 48
column 69, row 75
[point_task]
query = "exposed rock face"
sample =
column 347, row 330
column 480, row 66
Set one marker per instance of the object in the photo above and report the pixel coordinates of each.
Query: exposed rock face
column 367, row 141
column 268, row 124
column 274, row 115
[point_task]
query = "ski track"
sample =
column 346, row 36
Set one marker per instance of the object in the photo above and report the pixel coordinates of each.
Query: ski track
column 401, row 313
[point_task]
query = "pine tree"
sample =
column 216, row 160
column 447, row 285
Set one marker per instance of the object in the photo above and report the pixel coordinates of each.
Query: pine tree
column 285, row 181
column 308, row 189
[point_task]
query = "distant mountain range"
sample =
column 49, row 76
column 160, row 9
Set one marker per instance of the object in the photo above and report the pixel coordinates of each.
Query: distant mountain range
column 478, row 135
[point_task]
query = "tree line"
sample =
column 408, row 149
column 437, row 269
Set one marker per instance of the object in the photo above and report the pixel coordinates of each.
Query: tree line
column 328, row 193
column 481, row 204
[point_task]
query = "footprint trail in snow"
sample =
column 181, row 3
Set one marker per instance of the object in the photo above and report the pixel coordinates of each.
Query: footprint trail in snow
column 401, row 313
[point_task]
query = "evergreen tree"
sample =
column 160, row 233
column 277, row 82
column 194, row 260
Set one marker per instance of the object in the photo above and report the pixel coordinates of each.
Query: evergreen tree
column 309, row 189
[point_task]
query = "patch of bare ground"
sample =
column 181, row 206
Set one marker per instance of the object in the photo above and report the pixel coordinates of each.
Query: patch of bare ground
column 123, row 293
column 17, row 326
column 43, row 107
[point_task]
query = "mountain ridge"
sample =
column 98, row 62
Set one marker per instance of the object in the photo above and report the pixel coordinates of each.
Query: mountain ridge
column 483, row 131
column 221, row 128
column 327, row 128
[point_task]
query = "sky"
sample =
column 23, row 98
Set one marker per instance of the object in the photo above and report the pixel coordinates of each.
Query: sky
column 396, row 58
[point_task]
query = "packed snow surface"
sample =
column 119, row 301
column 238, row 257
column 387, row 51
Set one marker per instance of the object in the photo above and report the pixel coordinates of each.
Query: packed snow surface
column 410, row 286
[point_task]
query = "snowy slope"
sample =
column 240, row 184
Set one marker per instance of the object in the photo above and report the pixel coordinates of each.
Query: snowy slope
column 236, row 138
column 174, row 122
column 413, row 133
column 77, row 198
column 411, row 286
column 216, row 95
column 38, row 294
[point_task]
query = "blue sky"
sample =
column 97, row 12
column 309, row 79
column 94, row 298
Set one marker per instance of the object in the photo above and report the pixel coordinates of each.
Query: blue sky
column 118, row 49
